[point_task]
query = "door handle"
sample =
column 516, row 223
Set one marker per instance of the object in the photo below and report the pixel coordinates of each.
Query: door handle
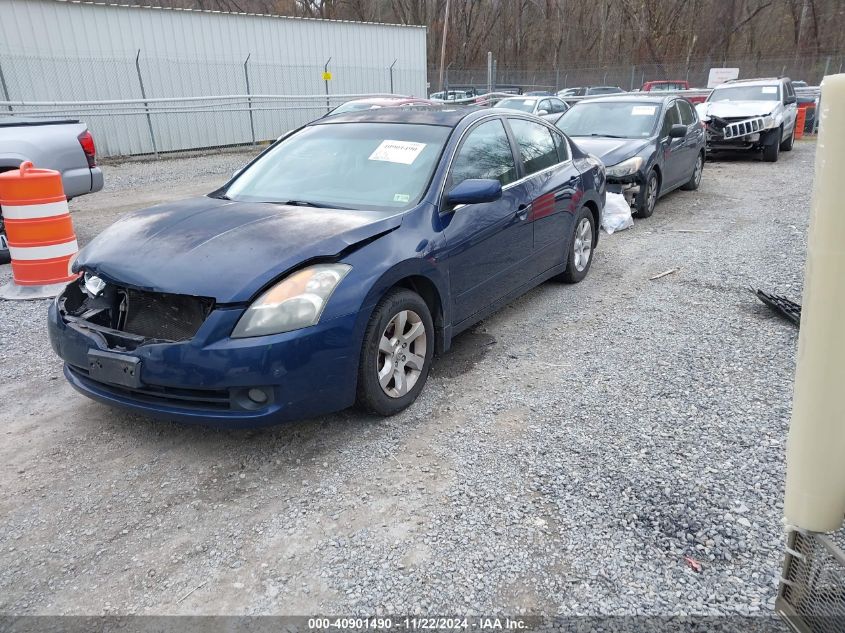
column 522, row 211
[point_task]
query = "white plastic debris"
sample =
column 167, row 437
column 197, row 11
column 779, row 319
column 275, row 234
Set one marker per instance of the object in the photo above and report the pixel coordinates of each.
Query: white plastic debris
column 617, row 214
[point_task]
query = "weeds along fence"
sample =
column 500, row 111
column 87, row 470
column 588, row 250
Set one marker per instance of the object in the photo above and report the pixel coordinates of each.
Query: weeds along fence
column 140, row 105
column 631, row 77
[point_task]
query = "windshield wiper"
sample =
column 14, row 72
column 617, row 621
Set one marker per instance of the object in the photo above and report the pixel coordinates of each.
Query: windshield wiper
column 308, row 203
column 607, row 135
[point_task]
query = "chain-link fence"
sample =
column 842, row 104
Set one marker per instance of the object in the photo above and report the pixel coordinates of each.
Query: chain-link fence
column 144, row 105
column 631, row 76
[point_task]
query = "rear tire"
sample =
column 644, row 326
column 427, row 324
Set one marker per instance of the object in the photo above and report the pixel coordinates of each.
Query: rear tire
column 771, row 152
column 648, row 196
column 786, row 146
column 695, row 180
column 397, row 353
column 581, row 248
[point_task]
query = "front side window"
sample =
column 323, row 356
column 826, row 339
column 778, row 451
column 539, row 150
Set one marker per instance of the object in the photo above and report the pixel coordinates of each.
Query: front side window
column 378, row 166
column 557, row 105
column 485, row 153
column 672, row 117
column 536, row 145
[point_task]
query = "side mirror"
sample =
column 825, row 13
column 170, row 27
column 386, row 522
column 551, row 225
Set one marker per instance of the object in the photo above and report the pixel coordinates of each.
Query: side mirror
column 475, row 191
column 679, row 130
column 790, row 99
column 542, row 112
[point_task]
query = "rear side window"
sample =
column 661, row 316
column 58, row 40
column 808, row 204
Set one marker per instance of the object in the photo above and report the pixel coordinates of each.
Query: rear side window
column 687, row 114
column 485, row 153
column 562, row 146
column 536, row 145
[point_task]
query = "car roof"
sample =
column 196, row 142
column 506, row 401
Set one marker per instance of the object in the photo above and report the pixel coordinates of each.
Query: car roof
column 436, row 115
column 752, row 82
column 628, row 98
column 388, row 101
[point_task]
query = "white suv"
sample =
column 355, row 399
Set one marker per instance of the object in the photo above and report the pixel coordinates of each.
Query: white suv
column 751, row 114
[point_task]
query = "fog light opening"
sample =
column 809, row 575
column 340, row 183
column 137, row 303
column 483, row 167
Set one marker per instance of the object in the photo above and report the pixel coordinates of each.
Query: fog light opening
column 258, row 396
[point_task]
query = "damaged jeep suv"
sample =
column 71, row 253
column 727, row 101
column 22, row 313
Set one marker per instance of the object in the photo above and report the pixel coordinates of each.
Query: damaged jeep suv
column 751, row 114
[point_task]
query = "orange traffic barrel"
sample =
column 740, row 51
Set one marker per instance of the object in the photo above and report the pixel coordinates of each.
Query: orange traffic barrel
column 39, row 231
column 800, row 121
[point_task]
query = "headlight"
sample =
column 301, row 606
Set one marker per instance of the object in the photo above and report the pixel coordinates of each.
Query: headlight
column 625, row 168
column 769, row 121
column 294, row 303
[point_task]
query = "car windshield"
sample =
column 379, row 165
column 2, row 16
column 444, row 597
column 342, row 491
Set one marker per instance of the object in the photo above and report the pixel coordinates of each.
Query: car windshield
column 745, row 93
column 604, row 90
column 523, row 105
column 614, row 119
column 379, row 166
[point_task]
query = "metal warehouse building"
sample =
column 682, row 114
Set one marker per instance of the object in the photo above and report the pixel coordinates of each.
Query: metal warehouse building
column 59, row 51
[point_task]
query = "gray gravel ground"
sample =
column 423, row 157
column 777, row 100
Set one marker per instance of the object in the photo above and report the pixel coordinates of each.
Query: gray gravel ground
column 563, row 459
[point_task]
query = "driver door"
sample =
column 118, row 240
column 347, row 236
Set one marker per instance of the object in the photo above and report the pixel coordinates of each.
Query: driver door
column 486, row 243
column 674, row 167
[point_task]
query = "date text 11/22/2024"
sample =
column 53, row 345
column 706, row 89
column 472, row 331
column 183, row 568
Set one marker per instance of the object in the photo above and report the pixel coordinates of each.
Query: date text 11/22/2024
column 418, row 623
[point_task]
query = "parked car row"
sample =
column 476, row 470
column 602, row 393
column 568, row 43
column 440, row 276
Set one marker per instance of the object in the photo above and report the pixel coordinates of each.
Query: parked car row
column 330, row 270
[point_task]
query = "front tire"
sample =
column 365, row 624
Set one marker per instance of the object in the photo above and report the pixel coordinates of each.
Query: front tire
column 786, row 146
column 771, row 152
column 581, row 248
column 648, row 196
column 695, row 180
column 397, row 353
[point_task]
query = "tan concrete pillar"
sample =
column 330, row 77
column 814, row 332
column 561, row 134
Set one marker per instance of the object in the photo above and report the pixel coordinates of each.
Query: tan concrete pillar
column 815, row 458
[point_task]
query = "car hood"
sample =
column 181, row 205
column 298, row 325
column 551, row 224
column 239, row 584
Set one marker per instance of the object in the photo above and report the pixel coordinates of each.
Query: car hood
column 223, row 249
column 611, row 150
column 732, row 109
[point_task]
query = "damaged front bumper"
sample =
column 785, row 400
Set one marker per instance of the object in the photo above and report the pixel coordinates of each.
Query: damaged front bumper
column 209, row 378
column 736, row 134
column 628, row 186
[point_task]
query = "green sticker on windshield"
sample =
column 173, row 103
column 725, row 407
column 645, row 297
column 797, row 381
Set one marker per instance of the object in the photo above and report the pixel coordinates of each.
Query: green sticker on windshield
column 401, row 197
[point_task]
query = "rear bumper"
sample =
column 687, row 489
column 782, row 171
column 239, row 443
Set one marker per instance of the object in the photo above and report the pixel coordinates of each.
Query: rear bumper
column 306, row 373
column 78, row 182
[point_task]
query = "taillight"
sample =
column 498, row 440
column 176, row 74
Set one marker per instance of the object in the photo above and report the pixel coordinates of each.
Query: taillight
column 87, row 143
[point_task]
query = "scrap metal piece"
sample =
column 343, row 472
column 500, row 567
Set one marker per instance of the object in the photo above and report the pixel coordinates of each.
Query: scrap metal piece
column 787, row 309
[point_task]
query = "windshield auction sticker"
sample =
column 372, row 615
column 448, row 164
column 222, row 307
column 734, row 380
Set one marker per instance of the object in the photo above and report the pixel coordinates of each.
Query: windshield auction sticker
column 404, row 152
column 643, row 110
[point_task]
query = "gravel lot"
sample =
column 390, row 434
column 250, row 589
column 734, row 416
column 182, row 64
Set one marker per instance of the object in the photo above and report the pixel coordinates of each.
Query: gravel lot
column 564, row 458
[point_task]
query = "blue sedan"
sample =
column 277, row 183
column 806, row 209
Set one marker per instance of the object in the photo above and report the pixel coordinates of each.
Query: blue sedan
column 330, row 270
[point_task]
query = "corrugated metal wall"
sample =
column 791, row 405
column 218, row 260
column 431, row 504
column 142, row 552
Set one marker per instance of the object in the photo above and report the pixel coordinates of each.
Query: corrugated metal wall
column 52, row 50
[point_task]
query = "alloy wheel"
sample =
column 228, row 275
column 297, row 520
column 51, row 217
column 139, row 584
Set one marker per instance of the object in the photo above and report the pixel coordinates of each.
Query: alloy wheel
column 651, row 192
column 401, row 353
column 583, row 244
column 699, row 167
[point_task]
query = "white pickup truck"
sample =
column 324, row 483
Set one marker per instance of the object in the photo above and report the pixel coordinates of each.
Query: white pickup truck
column 65, row 145
column 751, row 114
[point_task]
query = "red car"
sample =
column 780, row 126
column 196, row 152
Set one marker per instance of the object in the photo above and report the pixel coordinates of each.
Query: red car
column 373, row 103
column 671, row 85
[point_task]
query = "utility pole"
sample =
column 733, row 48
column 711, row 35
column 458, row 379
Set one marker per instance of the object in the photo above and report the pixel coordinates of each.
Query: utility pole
column 443, row 44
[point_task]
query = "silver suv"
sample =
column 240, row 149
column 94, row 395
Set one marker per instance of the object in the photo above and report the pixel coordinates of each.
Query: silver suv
column 751, row 114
